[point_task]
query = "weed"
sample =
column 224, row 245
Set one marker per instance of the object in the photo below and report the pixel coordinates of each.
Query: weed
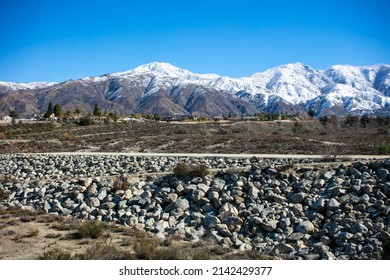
column 12, row 222
column 99, row 251
column 31, row 233
column 149, row 250
column 90, row 229
column 384, row 149
column 56, row 255
column 53, row 235
column 121, row 183
column 183, row 170
column 386, row 250
column 27, row 218
column 3, row 194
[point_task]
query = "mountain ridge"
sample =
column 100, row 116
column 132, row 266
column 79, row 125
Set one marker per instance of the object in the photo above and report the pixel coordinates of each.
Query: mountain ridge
column 160, row 87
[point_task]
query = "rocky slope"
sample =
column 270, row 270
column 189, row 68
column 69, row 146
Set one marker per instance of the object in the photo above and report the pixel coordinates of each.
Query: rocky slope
column 165, row 89
column 336, row 211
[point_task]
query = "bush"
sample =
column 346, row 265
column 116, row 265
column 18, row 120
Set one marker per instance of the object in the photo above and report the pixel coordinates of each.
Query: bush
column 100, row 251
column 384, row 149
column 85, row 121
column 90, row 229
column 183, row 170
column 121, row 183
column 386, row 250
column 148, row 250
column 55, row 255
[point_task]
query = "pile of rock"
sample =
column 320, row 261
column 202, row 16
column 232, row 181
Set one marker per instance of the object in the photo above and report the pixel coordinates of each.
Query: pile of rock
column 332, row 212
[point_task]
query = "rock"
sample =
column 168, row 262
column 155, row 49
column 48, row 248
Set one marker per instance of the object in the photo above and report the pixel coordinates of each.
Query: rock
column 102, row 194
column 383, row 173
column 305, row 227
column 286, row 248
column 233, row 222
column 320, row 248
column 298, row 198
column 94, row 202
column 270, row 225
column 284, row 223
column 197, row 195
column 223, row 230
column 210, row 221
column 217, row 185
column 227, row 210
column 245, row 247
column 333, row 205
column 88, row 182
column 170, row 197
column 182, row 204
column 319, row 205
column 328, row 256
column 359, row 228
column 253, row 192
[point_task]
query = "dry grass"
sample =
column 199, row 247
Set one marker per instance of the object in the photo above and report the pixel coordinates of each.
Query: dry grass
column 59, row 239
column 304, row 137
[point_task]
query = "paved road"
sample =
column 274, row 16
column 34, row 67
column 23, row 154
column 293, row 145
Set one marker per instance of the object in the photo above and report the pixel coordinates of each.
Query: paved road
column 218, row 155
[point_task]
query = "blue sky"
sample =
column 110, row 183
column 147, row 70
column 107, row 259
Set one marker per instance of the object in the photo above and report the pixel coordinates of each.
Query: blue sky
column 60, row 40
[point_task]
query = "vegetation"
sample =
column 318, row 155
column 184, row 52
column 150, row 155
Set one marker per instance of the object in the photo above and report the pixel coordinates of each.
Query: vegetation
column 90, row 229
column 13, row 114
column 386, row 250
column 96, row 111
column 183, row 170
column 57, row 111
column 49, row 110
column 86, row 121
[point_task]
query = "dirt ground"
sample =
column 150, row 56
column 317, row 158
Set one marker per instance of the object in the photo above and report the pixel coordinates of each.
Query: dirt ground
column 304, row 137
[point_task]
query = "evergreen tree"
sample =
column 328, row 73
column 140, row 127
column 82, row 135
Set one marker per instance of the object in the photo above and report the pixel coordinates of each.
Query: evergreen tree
column 96, row 111
column 311, row 113
column 57, row 111
column 13, row 114
column 49, row 111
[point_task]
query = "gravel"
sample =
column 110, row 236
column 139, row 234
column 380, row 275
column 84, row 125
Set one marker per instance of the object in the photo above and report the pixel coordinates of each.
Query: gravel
column 273, row 206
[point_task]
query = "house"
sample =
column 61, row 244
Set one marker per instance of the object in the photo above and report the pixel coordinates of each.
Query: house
column 6, row 119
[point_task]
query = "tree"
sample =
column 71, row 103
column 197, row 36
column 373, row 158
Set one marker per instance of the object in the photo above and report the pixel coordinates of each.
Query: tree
column 78, row 112
column 96, row 111
column 311, row 113
column 114, row 116
column 49, row 110
column 13, row 114
column 57, row 110
column 68, row 114
column 157, row 117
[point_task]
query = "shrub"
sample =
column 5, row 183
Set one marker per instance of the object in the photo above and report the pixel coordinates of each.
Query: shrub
column 386, row 250
column 90, row 229
column 121, row 183
column 384, row 149
column 85, row 121
column 100, row 251
column 199, row 171
column 183, row 170
column 3, row 194
column 145, row 249
column 55, row 255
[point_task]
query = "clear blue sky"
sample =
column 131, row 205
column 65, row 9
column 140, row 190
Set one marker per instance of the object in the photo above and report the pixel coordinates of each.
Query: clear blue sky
column 60, row 40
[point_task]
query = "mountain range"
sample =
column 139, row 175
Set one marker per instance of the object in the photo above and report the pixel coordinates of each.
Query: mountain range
column 168, row 90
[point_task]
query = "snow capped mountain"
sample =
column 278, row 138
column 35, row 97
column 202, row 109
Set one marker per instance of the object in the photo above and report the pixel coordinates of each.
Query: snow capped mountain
column 23, row 86
column 163, row 88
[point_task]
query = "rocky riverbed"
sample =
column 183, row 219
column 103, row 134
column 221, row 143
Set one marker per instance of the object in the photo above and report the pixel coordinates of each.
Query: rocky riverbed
column 296, row 209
